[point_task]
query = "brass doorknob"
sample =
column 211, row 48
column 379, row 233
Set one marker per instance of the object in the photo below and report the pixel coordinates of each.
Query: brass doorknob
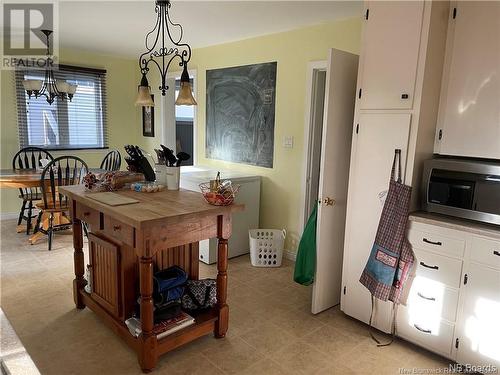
column 329, row 201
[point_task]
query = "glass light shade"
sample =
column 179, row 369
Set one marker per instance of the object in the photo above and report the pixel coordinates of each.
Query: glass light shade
column 27, row 85
column 144, row 97
column 62, row 86
column 36, row 84
column 72, row 89
column 185, row 96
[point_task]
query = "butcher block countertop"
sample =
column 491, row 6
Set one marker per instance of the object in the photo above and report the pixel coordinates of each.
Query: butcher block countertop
column 169, row 206
column 488, row 230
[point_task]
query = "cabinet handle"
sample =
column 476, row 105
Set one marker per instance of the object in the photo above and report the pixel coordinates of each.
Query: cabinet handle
column 422, row 330
column 427, row 266
column 424, row 297
column 438, row 243
column 404, row 96
column 496, row 253
column 116, row 227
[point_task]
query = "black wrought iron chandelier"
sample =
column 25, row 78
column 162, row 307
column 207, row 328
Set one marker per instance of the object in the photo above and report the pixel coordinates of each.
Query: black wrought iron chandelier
column 49, row 87
column 161, row 56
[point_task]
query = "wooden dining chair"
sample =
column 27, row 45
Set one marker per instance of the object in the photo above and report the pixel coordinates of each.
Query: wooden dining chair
column 112, row 161
column 62, row 171
column 29, row 158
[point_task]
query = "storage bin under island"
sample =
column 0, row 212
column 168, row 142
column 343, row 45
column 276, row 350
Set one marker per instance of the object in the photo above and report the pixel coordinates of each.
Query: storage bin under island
column 127, row 242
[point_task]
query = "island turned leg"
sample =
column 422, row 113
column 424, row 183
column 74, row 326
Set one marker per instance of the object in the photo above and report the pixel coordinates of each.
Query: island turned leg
column 148, row 349
column 79, row 282
column 222, row 253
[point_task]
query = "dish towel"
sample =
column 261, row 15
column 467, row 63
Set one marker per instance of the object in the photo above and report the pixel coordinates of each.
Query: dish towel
column 305, row 265
column 391, row 257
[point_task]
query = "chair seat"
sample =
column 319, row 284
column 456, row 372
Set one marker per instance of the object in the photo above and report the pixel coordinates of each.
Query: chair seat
column 41, row 206
column 31, row 197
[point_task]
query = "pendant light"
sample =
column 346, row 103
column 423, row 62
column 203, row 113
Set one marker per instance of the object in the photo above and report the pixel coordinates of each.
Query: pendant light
column 161, row 56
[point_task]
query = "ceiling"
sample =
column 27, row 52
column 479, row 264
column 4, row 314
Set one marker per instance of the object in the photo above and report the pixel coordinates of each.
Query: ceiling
column 119, row 27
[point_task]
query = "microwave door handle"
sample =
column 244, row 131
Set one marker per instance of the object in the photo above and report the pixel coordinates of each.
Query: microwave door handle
column 492, row 178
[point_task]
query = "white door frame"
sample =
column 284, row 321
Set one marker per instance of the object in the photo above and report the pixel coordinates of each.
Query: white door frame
column 192, row 74
column 311, row 68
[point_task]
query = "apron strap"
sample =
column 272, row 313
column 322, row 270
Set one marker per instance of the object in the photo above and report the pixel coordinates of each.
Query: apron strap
column 397, row 156
column 393, row 325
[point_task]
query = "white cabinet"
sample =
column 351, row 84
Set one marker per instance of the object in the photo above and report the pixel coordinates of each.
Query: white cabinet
column 469, row 113
column 391, row 39
column 453, row 306
column 479, row 332
column 375, row 138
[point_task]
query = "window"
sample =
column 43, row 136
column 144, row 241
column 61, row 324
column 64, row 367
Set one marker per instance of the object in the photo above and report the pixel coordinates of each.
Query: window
column 64, row 125
column 184, row 119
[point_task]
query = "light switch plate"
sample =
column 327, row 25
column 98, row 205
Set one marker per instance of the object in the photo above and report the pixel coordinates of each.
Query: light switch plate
column 288, row 141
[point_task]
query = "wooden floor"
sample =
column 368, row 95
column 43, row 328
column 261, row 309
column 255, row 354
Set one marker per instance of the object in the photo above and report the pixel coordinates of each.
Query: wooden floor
column 271, row 330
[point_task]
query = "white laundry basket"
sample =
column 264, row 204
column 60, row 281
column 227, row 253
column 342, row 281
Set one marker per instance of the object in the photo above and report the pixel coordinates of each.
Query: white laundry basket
column 266, row 247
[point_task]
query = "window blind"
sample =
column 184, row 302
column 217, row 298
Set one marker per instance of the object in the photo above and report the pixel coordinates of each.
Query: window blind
column 64, row 125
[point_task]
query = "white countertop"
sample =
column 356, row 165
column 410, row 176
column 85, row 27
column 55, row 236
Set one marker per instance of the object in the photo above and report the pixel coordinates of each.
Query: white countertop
column 464, row 225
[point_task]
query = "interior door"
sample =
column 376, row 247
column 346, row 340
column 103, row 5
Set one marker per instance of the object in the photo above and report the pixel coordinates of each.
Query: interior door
column 391, row 39
column 340, row 92
column 374, row 142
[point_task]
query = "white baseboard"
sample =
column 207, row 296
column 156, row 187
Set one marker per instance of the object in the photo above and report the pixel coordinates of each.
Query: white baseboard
column 9, row 215
column 290, row 255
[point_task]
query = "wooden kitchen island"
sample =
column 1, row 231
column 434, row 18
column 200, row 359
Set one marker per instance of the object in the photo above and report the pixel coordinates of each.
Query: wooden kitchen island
column 127, row 243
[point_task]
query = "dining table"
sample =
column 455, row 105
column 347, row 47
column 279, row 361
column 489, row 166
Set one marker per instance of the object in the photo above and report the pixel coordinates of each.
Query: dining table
column 31, row 178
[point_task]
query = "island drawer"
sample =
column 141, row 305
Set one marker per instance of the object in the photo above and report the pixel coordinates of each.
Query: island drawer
column 118, row 230
column 89, row 215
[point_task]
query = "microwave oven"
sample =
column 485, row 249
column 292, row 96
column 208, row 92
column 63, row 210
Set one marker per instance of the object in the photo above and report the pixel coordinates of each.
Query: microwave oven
column 462, row 188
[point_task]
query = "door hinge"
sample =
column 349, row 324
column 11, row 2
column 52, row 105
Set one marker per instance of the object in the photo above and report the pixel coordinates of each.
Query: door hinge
column 440, row 136
column 357, row 128
column 457, row 342
column 359, row 94
column 367, row 14
column 345, row 289
column 454, row 13
column 466, row 279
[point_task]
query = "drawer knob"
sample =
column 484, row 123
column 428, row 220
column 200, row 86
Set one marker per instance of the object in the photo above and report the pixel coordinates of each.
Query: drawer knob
column 425, row 297
column 422, row 330
column 496, row 253
column 432, row 242
column 427, row 266
column 116, row 227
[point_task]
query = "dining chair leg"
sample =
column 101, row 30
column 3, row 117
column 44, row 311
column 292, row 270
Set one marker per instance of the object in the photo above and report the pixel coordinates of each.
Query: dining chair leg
column 21, row 214
column 38, row 221
column 28, row 218
column 50, row 229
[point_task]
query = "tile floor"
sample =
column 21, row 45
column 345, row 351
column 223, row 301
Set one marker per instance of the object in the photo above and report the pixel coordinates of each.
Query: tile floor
column 271, row 330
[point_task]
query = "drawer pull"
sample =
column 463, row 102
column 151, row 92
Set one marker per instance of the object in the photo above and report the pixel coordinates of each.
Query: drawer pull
column 427, row 266
column 116, row 227
column 425, row 297
column 496, row 253
column 422, row 330
column 439, row 243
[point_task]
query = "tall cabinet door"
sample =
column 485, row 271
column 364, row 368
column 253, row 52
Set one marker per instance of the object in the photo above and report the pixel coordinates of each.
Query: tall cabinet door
column 374, row 142
column 480, row 322
column 469, row 113
column 391, row 39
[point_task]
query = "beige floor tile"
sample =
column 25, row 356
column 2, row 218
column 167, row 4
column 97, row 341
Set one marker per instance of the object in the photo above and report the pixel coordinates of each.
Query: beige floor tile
column 267, row 338
column 300, row 357
column 266, row 366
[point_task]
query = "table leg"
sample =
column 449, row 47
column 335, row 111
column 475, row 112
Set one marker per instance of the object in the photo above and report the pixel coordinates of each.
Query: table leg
column 79, row 282
column 222, row 253
column 148, row 350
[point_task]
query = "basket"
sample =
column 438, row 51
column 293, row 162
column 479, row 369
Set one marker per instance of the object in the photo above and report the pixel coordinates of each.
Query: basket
column 216, row 198
column 266, row 247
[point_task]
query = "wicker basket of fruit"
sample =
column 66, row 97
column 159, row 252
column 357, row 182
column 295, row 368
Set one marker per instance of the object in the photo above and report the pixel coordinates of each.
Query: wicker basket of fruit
column 218, row 192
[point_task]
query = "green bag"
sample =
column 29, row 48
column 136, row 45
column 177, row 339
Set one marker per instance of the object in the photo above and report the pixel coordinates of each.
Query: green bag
column 305, row 265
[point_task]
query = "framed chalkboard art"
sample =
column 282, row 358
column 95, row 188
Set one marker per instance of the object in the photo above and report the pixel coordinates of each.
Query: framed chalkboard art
column 240, row 114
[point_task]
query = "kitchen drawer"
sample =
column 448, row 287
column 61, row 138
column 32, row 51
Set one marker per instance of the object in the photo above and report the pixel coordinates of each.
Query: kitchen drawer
column 436, row 242
column 118, row 230
column 438, row 268
column 433, row 299
column 435, row 335
column 485, row 251
column 89, row 215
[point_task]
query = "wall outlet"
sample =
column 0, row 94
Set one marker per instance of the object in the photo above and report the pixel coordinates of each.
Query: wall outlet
column 288, row 141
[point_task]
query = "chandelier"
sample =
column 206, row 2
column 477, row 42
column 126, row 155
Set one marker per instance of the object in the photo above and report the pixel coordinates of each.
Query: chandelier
column 161, row 56
column 49, row 87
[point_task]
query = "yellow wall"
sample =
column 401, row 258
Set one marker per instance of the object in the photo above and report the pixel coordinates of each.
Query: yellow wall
column 123, row 117
column 281, row 185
